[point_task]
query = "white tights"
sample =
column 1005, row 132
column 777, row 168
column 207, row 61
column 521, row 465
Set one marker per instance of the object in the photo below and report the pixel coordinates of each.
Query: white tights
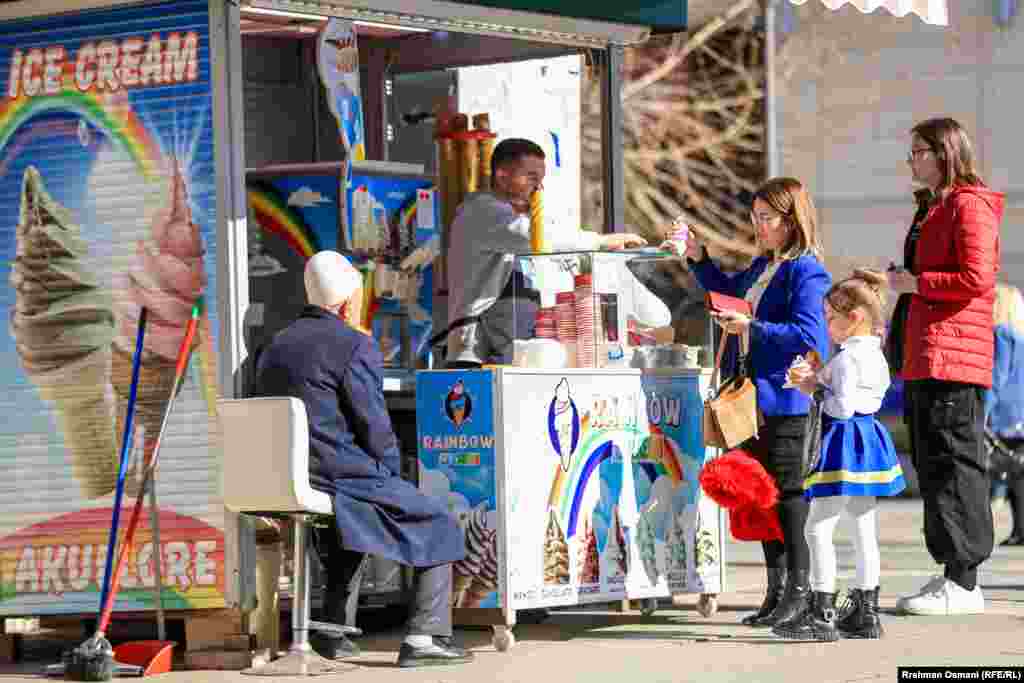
column 821, row 525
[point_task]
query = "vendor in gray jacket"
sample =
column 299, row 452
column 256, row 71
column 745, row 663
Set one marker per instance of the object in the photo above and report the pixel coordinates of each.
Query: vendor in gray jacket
column 353, row 455
column 490, row 301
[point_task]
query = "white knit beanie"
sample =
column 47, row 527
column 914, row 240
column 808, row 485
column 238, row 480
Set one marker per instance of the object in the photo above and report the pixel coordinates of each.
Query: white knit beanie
column 330, row 279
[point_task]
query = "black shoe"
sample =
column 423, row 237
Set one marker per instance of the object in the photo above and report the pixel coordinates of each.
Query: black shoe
column 1014, row 539
column 442, row 651
column 817, row 623
column 795, row 600
column 333, row 646
column 859, row 617
column 772, row 596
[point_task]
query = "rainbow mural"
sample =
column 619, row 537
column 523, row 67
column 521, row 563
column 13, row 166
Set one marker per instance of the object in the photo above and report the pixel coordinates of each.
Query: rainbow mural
column 568, row 487
column 275, row 217
column 117, row 120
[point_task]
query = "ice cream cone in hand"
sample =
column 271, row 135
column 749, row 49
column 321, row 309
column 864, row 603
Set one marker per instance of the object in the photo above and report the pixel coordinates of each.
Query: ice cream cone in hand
column 63, row 323
column 166, row 277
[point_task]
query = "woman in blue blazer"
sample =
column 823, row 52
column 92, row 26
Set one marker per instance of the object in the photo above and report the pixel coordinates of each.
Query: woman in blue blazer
column 786, row 285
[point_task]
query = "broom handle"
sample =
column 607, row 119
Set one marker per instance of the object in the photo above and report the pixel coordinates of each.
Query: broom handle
column 125, row 450
column 126, row 544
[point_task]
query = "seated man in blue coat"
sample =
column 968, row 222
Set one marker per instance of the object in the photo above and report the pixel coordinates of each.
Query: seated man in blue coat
column 336, row 370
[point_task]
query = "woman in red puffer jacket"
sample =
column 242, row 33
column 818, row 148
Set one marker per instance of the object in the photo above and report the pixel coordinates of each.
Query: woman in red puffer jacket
column 950, row 279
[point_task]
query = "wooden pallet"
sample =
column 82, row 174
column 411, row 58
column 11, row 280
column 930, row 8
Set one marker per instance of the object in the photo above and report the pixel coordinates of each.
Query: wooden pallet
column 214, row 639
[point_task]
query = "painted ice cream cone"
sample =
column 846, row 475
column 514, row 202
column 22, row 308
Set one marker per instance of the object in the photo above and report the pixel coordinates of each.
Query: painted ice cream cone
column 645, row 540
column 616, row 546
column 486, row 580
column 556, row 552
column 478, row 540
column 63, row 324
column 677, row 552
column 588, row 561
column 564, row 423
column 166, row 277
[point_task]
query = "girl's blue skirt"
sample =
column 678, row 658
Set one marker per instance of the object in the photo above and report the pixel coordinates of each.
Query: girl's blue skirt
column 857, row 459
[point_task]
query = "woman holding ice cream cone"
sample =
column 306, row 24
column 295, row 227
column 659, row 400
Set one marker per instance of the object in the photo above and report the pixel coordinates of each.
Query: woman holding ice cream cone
column 785, row 287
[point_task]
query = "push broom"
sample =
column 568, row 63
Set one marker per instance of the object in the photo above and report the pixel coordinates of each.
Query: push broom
column 95, row 660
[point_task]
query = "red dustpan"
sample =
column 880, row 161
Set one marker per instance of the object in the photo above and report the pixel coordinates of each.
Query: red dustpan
column 151, row 656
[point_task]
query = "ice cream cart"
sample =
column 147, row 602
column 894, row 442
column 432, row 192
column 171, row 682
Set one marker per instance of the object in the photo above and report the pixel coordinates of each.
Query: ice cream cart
column 575, row 474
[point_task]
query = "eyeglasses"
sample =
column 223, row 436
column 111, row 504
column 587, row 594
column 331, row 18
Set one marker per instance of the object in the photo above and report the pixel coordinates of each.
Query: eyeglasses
column 915, row 153
column 758, row 219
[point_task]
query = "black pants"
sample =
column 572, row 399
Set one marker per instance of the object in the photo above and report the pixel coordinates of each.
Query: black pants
column 430, row 613
column 946, row 421
column 1015, row 494
column 779, row 447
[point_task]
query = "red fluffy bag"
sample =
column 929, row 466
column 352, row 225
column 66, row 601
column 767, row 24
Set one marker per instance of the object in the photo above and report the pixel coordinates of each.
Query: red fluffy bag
column 740, row 484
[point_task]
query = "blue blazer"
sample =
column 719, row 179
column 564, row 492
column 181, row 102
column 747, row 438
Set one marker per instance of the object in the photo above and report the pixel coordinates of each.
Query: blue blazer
column 1004, row 402
column 353, row 451
column 789, row 322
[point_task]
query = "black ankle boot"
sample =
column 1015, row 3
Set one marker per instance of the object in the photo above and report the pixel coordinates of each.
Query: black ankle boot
column 772, row 596
column 795, row 600
column 817, row 623
column 860, row 619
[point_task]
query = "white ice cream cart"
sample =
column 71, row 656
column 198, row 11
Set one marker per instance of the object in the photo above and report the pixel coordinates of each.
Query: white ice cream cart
column 575, row 485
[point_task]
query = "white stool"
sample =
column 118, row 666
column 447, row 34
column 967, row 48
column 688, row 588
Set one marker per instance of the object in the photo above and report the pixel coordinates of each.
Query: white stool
column 266, row 472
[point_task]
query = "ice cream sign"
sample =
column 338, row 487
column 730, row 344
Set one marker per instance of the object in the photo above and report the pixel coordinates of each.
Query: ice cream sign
column 106, row 65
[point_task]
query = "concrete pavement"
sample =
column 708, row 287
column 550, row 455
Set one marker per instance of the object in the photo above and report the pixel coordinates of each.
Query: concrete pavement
column 677, row 644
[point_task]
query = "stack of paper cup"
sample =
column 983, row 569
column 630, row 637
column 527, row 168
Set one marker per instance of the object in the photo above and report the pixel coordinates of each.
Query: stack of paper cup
column 547, row 323
column 565, row 317
column 585, row 319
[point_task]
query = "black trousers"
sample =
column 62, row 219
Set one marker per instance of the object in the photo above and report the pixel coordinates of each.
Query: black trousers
column 946, row 422
column 430, row 613
column 779, row 448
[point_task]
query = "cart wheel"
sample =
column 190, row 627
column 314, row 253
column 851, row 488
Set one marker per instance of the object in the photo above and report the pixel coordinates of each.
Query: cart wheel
column 649, row 607
column 503, row 640
column 707, row 605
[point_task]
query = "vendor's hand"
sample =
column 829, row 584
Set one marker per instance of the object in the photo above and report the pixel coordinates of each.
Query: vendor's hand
column 622, row 240
column 419, row 257
column 732, row 321
column 694, row 247
column 902, row 281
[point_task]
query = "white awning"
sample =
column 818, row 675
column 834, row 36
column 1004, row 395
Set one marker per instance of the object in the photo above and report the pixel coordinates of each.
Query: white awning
column 934, row 12
column 443, row 15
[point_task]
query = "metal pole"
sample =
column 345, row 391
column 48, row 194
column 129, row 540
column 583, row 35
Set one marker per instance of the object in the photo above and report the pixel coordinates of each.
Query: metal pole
column 158, row 574
column 611, row 141
column 771, row 143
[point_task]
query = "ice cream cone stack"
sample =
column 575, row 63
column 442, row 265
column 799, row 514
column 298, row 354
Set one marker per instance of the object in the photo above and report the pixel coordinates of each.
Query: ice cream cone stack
column 538, row 243
column 486, row 140
column 63, row 324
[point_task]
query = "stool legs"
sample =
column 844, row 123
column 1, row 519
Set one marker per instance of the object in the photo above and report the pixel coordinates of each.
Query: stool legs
column 300, row 660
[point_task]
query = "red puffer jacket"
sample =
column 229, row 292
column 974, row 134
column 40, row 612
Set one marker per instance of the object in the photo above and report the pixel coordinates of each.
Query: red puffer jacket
column 949, row 322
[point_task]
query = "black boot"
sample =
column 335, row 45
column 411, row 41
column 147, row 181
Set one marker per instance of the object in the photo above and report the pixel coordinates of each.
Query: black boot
column 772, row 596
column 795, row 600
column 860, row 619
column 817, row 623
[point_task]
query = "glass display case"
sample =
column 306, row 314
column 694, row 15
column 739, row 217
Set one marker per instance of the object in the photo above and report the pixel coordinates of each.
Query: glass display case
column 609, row 309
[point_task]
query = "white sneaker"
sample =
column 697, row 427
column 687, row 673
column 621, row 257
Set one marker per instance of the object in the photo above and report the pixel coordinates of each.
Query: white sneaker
column 933, row 583
column 945, row 599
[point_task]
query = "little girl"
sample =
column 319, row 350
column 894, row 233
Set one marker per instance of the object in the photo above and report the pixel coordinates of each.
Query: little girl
column 856, row 463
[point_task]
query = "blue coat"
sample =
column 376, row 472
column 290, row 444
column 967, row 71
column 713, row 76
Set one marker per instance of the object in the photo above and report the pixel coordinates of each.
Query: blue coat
column 789, row 322
column 336, row 371
column 1004, row 402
